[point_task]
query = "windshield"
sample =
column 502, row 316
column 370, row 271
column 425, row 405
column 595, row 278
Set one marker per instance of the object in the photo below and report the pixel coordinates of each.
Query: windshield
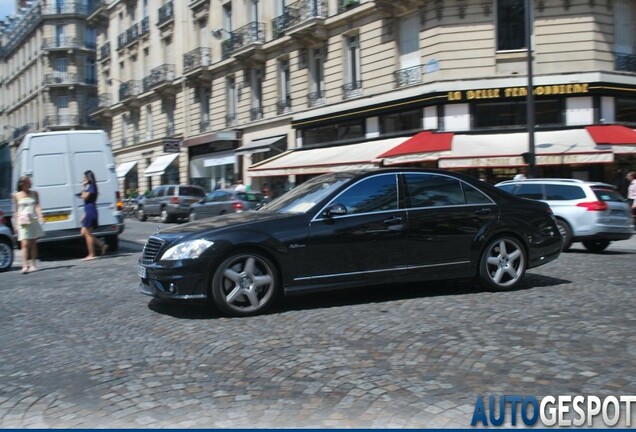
column 304, row 197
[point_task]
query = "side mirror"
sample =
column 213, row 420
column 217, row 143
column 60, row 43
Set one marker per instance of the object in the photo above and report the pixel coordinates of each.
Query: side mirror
column 334, row 210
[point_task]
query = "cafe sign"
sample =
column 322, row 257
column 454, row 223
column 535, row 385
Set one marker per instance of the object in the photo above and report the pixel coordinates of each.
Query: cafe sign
column 512, row 92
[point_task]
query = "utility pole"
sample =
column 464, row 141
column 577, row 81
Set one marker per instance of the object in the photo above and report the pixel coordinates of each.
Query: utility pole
column 531, row 159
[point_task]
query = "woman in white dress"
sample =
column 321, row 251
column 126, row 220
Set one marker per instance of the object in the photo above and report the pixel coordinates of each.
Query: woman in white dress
column 28, row 218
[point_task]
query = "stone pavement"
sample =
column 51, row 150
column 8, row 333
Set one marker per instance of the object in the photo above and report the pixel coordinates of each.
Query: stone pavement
column 80, row 347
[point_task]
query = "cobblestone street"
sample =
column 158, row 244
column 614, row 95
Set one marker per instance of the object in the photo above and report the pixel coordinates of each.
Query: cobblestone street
column 81, row 347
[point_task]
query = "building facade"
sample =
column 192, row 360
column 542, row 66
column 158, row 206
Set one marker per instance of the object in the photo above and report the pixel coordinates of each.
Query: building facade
column 209, row 92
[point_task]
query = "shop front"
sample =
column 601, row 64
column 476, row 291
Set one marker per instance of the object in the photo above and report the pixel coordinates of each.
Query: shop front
column 212, row 160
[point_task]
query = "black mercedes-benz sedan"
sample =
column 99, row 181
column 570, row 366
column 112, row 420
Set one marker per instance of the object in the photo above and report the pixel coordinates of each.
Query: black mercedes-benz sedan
column 352, row 229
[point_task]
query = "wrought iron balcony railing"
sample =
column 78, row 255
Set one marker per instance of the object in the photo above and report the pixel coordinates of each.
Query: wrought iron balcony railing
column 408, row 76
column 61, row 120
column 60, row 78
column 316, row 98
column 230, row 120
column 352, row 89
column 61, row 42
column 256, row 113
column 66, row 8
column 166, row 13
column 104, row 51
column 345, row 5
column 251, row 33
column 129, row 88
column 280, row 24
column 121, row 40
column 197, row 58
column 304, row 10
column 625, row 62
column 159, row 75
column 132, row 34
column 283, row 106
column 145, row 26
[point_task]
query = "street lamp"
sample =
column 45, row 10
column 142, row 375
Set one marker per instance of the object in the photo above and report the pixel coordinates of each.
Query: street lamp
column 529, row 157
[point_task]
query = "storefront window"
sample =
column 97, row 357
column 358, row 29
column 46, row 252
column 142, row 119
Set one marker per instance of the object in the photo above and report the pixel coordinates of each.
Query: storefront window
column 333, row 133
column 403, row 121
column 626, row 110
column 213, row 171
column 513, row 114
column 171, row 174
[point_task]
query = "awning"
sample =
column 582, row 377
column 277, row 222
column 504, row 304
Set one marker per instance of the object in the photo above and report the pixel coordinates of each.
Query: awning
column 323, row 160
column 612, row 134
column 225, row 160
column 574, row 146
column 425, row 146
column 260, row 145
column 124, row 168
column 160, row 164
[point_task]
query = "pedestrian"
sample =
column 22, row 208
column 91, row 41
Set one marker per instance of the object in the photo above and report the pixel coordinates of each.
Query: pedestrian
column 240, row 187
column 631, row 193
column 521, row 175
column 90, row 220
column 28, row 222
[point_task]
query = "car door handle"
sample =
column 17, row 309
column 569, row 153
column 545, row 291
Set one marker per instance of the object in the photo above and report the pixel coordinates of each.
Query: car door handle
column 483, row 211
column 395, row 220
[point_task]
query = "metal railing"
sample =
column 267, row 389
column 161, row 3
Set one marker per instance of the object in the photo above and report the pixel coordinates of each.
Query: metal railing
column 256, row 113
column 230, row 120
column 283, row 106
column 104, row 51
column 166, row 13
column 197, row 58
column 61, row 120
column 159, row 75
column 60, row 78
column 316, row 98
column 64, row 42
column 66, row 8
column 304, row 10
column 253, row 32
column 345, row 5
column 625, row 62
column 145, row 26
column 352, row 89
column 280, row 24
column 205, row 126
column 408, row 76
column 129, row 88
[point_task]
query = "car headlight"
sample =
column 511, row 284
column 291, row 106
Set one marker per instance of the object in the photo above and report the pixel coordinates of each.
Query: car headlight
column 187, row 250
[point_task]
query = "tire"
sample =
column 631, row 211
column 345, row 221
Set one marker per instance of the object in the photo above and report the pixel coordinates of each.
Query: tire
column 6, row 255
column 596, row 246
column 244, row 284
column 566, row 233
column 192, row 217
column 141, row 214
column 502, row 264
column 113, row 242
column 164, row 217
column 222, row 213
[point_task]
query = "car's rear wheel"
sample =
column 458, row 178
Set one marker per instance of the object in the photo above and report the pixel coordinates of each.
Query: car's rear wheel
column 244, row 284
column 164, row 217
column 141, row 214
column 566, row 233
column 596, row 245
column 6, row 255
column 502, row 264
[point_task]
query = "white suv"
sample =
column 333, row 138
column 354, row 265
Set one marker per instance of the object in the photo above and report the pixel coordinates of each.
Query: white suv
column 589, row 212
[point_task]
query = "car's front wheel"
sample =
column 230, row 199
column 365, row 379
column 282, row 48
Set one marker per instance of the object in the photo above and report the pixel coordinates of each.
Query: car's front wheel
column 502, row 264
column 596, row 245
column 141, row 214
column 165, row 217
column 566, row 234
column 6, row 255
column 244, row 284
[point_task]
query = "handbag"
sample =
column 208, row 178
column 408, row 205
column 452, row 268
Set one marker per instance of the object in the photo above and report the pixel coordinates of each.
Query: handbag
column 24, row 218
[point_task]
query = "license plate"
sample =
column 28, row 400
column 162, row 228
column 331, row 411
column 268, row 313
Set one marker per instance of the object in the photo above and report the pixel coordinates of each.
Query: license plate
column 141, row 271
column 55, row 218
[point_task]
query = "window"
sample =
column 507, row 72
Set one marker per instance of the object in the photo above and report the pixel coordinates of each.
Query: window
column 148, row 122
column 257, row 94
column 170, row 116
column 332, row 133
column 90, row 71
column 231, row 101
column 284, row 89
column 90, row 37
column 563, row 192
column 625, row 110
column 316, row 77
column 624, row 27
column 511, row 29
column 403, row 121
column 427, row 190
column 204, row 105
column 409, row 42
column 352, row 61
column 474, row 196
column 531, row 191
column 227, row 17
column 378, row 193
column 513, row 114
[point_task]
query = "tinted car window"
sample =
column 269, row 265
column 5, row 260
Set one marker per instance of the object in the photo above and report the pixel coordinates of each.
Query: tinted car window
column 221, row 196
column 372, row 194
column 426, row 190
column 563, row 192
column 250, row 197
column 159, row 192
column 170, row 191
column 508, row 188
column 474, row 196
column 530, row 190
column 191, row 191
column 608, row 195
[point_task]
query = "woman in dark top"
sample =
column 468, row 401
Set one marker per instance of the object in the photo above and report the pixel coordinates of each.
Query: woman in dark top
column 90, row 221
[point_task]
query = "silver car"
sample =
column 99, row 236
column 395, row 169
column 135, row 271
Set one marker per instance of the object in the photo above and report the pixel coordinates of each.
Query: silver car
column 224, row 201
column 7, row 244
column 589, row 212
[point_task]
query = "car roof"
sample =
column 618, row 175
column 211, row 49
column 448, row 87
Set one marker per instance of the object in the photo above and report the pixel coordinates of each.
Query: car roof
column 558, row 181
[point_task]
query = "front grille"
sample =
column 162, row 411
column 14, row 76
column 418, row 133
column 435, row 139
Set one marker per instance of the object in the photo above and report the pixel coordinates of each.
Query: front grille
column 151, row 249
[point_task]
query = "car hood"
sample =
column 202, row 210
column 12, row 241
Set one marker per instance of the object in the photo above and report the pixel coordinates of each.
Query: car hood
column 219, row 222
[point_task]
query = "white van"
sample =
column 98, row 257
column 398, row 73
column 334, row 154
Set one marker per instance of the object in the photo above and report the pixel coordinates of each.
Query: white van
column 56, row 162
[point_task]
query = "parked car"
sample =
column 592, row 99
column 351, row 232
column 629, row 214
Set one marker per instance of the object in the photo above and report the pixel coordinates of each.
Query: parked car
column 352, row 229
column 7, row 243
column 224, row 201
column 589, row 212
column 169, row 202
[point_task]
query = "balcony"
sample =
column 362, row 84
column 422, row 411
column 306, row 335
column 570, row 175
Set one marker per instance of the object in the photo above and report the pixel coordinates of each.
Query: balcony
column 61, row 121
column 145, row 27
column 316, row 98
column 352, row 90
column 283, row 106
column 128, row 38
column 128, row 92
column 307, row 21
column 256, row 113
column 104, row 52
column 625, row 62
column 246, row 44
column 66, row 9
column 65, row 43
column 98, row 11
column 391, row 8
column 230, row 120
column 205, row 126
column 161, row 79
column 200, row 9
column 279, row 25
column 104, row 101
column 166, row 14
column 60, row 79
column 195, row 63
column 409, row 76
